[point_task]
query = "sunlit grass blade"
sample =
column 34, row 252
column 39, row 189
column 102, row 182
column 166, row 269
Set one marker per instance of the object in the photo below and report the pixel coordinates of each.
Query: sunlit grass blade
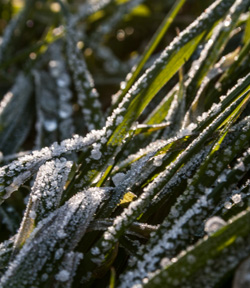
column 161, row 31
column 139, row 205
column 212, row 50
column 143, row 91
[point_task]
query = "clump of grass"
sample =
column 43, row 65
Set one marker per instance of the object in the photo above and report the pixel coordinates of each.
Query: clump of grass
column 148, row 188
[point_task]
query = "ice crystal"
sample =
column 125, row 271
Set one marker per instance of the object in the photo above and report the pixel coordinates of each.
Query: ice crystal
column 19, row 171
column 213, row 224
column 37, row 255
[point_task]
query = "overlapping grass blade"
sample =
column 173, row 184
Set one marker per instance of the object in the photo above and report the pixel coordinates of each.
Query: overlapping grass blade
column 45, row 197
column 161, row 31
column 208, row 262
column 55, row 236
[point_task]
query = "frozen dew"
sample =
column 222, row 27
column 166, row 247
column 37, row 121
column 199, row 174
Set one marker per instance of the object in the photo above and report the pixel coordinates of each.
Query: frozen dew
column 44, row 277
column 165, row 262
column 118, row 178
column 50, row 124
column 227, row 22
column 213, row 224
column 28, row 165
column 5, row 101
column 158, row 160
column 63, row 81
column 96, row 154
column 236, row 198
column 222, row 178
column 38, row 253
column 87, row 95
column 62, row 276
column 228, row 205
column 65, row 111
column 241, row 167
column 65, row 94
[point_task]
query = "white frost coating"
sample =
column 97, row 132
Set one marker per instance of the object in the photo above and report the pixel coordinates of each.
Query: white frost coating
column 228, row 205
column 19, row 171
column 96, row 154
column 240, row 167
column 83, row 81
column 213, row 224
column 37, row 254
column 62, row 276
column 158, row 160
column 236, row 198
column 137, row 206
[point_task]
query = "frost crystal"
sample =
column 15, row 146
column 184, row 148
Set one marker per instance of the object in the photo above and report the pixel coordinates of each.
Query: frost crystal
column 236, row 198
column 37, row 255
column 213, row 224
column 62, row 276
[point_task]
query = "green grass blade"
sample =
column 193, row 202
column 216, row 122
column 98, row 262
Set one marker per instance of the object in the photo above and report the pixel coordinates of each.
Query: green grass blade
column 55, row 236
column 18, row 172
column 161, row 31
column 217, row 255
column 45, row 197
column 212, row 50
column 137, row 207
column 84, row 84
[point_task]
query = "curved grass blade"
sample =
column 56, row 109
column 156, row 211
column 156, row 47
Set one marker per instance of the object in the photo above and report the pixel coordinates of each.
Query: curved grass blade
column 67, row 270
column 119, row 123
column 212, row 50
column 186, row 215
column 161, row 31
column 239, row 89
column 13, row 175
column 45, row 197
column 165, row 67
column 159, row 114
column 108, row 25
column 6, row 249
column 247, row 31
column 55, row 236
column 53, row 99
column 175, row 185
column 106, row 244
column 241, row 278
column 90, row 8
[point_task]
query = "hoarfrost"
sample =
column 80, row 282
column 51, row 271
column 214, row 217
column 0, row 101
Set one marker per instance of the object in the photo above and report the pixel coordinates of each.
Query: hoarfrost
column 37, row 255
column 62, row 276
column 213, row 224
